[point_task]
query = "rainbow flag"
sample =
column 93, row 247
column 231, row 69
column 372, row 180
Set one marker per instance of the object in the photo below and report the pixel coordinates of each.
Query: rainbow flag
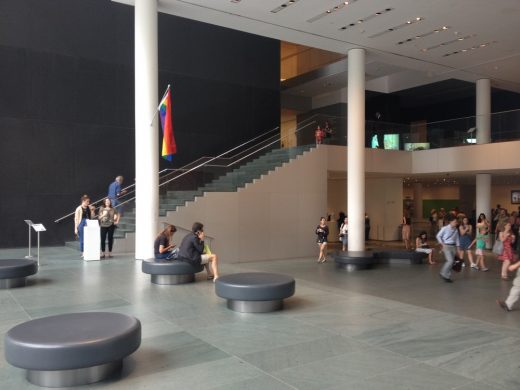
column 169, row 147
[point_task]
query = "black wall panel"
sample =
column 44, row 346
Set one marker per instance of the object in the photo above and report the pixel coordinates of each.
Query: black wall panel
column 67, row 102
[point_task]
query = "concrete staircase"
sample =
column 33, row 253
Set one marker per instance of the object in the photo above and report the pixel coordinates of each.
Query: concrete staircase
column 229, row 182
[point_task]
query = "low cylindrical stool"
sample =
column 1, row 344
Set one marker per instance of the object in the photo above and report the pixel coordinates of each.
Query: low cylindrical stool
column 255, row 292
column 13, row 272
column 170, row 272
column 72, row 349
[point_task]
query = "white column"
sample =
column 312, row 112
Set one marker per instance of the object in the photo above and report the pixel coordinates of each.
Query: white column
column 146, row 135
column 417, row 201
column 483, row 109
column 483, row 195
column 356, row 150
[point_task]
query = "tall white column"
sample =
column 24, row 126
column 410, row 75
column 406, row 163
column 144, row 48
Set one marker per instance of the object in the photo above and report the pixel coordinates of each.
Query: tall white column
column 483, row 195
column 483, row 109
column 356, row 150
column 146, row 135
column 417, row 200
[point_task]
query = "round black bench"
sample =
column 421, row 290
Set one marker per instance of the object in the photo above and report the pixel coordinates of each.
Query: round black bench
column 14, row 271
column 355, row 260
column 255, row 292
column 395, row 255
column 72, row 349
column 170, row 272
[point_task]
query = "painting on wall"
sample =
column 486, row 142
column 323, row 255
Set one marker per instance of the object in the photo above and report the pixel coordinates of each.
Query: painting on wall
column 515, row 196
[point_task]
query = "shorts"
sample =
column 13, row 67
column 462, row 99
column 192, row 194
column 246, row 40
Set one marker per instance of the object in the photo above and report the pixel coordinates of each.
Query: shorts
column 204, row 259
column 479, row 252
column 424, row 250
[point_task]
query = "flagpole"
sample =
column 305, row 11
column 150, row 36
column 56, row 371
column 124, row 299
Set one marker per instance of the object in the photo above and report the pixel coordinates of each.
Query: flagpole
column 159, row 106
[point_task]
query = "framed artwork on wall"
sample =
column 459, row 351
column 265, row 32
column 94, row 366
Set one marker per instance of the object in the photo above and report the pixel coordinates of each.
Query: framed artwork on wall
column 515, row 196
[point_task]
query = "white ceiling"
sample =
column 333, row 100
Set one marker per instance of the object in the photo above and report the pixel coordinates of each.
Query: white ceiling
column 495, row 23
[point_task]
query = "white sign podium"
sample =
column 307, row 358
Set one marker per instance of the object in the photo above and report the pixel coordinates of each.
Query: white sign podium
column 38, row 227
column 29, row 224
column 91, row 240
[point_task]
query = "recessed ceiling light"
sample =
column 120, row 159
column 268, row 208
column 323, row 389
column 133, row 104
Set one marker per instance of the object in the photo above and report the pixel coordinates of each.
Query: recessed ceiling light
column 331, row 10
column 450, row 42
column 394, row 28
column 411, row 39
column 366, row 19
column 482, row 45
column 283, row 6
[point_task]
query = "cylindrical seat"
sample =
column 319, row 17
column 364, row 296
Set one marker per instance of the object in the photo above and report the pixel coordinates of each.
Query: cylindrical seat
column 170, row 272
column 355, row 260
column 56, row 349
column 255, row 291
column 14, row 271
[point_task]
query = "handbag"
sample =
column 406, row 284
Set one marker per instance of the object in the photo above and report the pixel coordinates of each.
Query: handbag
column 498, row 247
column 457, row 264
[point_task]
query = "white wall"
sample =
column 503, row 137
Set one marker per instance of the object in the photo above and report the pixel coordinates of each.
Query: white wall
column 435, row 192
column 272, row 218
column 384, row 202
column 275, row 217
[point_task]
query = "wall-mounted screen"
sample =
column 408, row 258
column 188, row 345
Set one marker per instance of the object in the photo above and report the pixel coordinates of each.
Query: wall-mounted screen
column 391, row 141
column 411, row 146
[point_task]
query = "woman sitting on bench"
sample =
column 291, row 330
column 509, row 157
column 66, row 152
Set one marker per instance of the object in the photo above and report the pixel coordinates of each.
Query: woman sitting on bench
column 421, row 245
column 163, row 248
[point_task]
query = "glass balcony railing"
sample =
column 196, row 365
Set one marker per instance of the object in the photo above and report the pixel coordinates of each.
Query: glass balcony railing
column 505, row 126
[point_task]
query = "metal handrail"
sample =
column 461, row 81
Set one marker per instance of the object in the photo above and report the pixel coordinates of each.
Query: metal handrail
column 214, row 158
column 169, row 171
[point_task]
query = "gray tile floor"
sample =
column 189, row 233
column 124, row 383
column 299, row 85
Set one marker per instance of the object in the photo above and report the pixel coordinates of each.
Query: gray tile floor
column 397, row 327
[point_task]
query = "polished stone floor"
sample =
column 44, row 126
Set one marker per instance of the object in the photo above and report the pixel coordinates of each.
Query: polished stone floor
column 397, row 327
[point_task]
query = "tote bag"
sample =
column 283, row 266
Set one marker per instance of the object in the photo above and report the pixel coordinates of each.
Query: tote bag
column 498, row 247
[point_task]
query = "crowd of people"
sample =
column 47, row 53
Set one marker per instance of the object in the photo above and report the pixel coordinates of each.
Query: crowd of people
column 457, row 237
column 192, row 250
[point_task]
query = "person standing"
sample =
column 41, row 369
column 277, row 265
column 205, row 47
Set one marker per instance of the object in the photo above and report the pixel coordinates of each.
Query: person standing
column 115, row 191
column 367, row 227
column 322, row 231
column 508, row 256
column 319, row 135
column 514, row 293
column 448, row 237
column 343, row 234
column 191, row 251
column 108, row 219
column 466, row 235
column 82, row 213
column 482, row 237
column 406, row 231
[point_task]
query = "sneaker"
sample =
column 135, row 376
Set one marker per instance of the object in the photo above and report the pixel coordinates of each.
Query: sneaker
column 447, row 280
column 484, row 269
column 503, row 305
column 474, row 266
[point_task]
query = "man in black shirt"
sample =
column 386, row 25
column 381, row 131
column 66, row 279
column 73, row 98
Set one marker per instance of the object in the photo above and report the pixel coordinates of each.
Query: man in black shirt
column 192, row 251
